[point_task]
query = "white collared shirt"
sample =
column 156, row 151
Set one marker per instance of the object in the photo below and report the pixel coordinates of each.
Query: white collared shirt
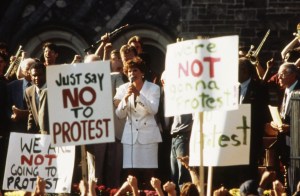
column 40, row 89
column 288, row 92
column 244, row 87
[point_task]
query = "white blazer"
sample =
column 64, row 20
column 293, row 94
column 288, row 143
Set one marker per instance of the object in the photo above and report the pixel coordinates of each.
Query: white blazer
column 140, row 124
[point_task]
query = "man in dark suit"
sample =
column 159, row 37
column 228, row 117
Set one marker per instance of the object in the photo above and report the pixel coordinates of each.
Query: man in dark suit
column 289, row 80
column 253, row 92
column 3, row 99
column 36, row 97
column 17, row 107
column 4, row 133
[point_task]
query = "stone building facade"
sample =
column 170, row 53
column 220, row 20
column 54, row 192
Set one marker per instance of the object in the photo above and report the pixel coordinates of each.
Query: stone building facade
column 76, row 24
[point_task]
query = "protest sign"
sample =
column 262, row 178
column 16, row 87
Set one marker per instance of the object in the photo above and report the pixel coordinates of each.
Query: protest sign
column 32, row 155
column 226, row 138
column 80, row 103
column 201, row 75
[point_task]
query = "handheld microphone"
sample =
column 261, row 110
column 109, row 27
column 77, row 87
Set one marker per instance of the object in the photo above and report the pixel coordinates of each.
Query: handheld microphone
column 131, row 79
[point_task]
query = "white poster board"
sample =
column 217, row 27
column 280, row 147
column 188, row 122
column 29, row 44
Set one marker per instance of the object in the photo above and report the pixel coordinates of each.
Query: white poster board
column 226, row 138
column 80, row 103
column 32, row 155
column 201, row 75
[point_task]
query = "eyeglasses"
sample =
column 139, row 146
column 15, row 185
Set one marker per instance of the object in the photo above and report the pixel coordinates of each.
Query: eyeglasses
column 283, row 75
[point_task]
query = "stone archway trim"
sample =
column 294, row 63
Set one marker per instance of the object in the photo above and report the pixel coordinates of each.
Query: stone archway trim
column 59, row 37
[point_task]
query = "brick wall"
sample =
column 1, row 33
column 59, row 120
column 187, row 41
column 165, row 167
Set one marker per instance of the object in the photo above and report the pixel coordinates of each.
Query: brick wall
column 250, row 19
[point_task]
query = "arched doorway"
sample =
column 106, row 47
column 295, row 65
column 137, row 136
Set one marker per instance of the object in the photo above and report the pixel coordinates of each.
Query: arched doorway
column 69, row 44
column 154, row 39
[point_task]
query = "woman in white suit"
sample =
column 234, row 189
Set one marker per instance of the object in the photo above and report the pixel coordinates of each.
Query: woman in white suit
column 138, row 101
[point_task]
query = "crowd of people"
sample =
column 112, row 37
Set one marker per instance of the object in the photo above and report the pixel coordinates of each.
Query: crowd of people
column 143, row 134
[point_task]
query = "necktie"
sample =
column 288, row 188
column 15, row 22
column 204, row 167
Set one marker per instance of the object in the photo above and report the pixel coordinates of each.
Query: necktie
column 28, row 84
column 240, row 95
column 37, row 99
column 283, row 106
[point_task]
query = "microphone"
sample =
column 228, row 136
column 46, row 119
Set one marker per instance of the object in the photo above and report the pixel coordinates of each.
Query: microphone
column 131, row 79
